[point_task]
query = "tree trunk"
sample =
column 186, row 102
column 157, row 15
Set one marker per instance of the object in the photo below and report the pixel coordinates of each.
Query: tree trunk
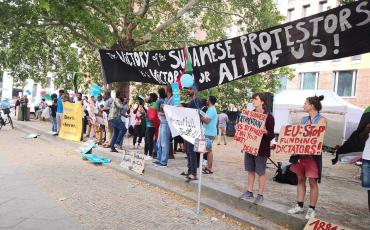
column 124, row 88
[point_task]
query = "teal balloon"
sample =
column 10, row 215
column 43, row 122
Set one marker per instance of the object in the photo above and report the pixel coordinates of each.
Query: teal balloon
column 28, row 92
column 187, row 80
column 95, row 90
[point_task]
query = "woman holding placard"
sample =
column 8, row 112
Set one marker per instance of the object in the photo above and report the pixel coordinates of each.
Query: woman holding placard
column 308, row 166
column 257, row 164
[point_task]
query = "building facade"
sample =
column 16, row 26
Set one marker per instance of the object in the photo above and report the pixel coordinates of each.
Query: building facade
column 348, row 77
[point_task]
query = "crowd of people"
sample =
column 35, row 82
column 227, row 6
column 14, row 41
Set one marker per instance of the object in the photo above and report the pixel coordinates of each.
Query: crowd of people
column 109, row 121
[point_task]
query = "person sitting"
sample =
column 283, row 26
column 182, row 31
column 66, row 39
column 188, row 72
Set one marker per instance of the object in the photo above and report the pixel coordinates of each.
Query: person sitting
column 41, row 108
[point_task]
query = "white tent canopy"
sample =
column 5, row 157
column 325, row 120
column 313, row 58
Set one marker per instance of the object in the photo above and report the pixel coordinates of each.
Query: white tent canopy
column 343, row 117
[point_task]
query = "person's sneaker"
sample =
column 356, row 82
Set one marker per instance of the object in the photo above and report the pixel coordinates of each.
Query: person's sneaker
column 162, row 165
column 55, row 133
column 296, row 209
column 247, row 196
column 259, row 199
column 155, row 163
column 310, row 214
column 149, row 158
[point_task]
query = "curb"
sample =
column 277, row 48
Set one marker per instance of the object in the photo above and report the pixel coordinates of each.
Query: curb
column 211, row 197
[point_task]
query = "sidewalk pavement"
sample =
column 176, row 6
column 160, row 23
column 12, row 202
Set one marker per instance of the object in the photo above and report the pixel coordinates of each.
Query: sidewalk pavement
column 23, row 205
column 342, row 200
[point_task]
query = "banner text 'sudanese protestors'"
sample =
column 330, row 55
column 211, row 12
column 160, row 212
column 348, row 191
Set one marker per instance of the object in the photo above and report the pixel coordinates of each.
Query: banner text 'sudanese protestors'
column 210, row 130
column 164, row 132
column 115, row 121
column 308, row 166
column 257, row 164
column 152, row 125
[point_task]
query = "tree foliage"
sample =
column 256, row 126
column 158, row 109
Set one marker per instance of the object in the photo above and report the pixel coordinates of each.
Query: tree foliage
column 36, row 36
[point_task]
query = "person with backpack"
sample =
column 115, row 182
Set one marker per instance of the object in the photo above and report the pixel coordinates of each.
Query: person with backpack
column 308, row 166
column 257, row 164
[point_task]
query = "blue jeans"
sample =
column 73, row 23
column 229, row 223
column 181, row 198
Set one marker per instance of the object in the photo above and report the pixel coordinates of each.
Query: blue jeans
column 120, row 141
column 365, row 174
column 53, row 123
column 119, row 130
column 192, row 158
column 163, row 143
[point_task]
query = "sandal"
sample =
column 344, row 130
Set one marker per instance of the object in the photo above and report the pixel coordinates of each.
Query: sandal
column 190, row 178
column 207, row 171
column 184, row 174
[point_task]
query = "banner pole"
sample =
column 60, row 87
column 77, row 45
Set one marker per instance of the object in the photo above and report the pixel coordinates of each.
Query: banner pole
column 200, row 167
column 200, row 181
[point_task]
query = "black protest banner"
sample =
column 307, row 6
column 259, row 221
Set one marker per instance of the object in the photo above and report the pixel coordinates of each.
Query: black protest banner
column 340, row 32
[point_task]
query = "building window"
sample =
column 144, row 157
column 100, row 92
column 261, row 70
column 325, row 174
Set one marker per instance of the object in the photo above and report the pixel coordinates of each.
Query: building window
column 309, row 80
column 290, row 14
column 283, row 83
column 345, row 83
column 322, row 6
column 305, row 10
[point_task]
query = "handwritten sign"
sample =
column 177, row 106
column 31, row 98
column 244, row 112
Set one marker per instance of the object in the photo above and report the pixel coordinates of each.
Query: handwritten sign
column 316, row 224
column 133, row 161
column 249, row 131
column 71, row 124
column 184, row 122
column 301, row 139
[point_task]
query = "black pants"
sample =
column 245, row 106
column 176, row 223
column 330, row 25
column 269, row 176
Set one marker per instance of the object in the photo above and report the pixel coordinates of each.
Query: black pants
column 138, row 132
column 24, row 112
column 149, row 141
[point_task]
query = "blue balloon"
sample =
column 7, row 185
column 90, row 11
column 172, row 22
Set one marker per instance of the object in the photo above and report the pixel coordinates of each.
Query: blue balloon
column 28, row 92
column 95, row 90
column 187, row 80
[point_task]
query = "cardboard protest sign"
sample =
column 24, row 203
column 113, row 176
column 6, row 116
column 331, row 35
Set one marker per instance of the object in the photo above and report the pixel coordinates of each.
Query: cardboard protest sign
column 133, row 161
column 249, row 131
column 301, row 139
column 71, row 124
column 184, row 122
column 339, row 32
column 316, row 224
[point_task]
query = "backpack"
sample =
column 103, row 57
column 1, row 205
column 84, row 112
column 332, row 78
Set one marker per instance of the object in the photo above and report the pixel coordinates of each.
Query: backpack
column 283, row 175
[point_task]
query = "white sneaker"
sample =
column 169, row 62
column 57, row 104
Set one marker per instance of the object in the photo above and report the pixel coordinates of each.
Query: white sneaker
column 54, row 133
column 310, row 214
column 149, row 158
column 296, row 210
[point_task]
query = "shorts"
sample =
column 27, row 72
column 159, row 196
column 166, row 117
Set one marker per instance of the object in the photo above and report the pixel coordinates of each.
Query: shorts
column 210, row 142
column 365, row 174
column 306, row 167
column 255, row 164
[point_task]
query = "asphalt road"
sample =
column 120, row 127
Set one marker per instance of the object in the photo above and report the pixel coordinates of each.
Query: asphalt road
column 45, row 185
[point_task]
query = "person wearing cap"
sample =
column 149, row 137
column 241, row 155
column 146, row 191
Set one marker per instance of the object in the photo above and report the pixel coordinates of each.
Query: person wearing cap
column 195, row 103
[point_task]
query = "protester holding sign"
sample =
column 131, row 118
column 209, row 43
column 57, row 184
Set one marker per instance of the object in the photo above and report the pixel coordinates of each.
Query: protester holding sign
column 195, row 103
column 257, row 163
column 308, row 166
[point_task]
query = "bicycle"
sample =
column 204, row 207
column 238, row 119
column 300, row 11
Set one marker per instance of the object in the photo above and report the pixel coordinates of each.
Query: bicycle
column 7, row 119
